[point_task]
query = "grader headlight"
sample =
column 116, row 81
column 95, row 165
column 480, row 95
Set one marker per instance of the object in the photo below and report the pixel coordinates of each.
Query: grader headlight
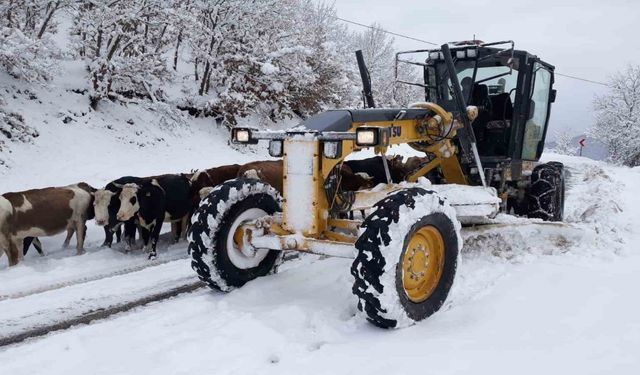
column 372, row 136
column 469, row 53
column 242, row 135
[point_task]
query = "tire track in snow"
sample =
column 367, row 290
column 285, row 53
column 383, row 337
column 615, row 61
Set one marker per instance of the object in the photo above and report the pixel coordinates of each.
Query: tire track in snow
column 86, row 279
column 98, row 314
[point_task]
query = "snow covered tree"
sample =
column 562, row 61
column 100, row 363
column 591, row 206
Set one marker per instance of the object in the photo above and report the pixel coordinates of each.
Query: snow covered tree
column 123, row 43
column 279, row 58
column 27, row 58
column 330, row 69
column 564, row 143
column 32, row 17
column 26, row 49
column 618, row 117
column 379, row 54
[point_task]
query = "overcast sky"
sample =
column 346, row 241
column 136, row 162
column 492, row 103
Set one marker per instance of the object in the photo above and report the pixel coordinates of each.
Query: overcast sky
column 590, row 39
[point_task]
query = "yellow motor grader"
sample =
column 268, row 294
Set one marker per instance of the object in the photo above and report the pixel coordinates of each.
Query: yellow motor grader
column 481, row 127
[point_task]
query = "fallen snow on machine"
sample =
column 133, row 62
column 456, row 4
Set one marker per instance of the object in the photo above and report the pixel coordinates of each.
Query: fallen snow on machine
column 481, row 141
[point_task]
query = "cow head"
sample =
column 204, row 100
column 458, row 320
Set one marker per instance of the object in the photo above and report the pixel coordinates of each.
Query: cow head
column 396, row 167
column 413, row 163
column 129, row 204
column 252, row 173
column 395, row 159
column 354, row 181
column 199, row 180
column 101, row 201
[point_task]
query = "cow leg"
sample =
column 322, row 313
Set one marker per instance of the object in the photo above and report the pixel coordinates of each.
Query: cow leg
column 119, row 234
column 65, row 244
column 129, row 235
column 185, row 226
column 175, row 231
column 155, row 235
column 144, row 233
column 26, row 243
column 4, row 243
column 14, row 254
column 108, row 237
column 38, row 245
column 81, row 231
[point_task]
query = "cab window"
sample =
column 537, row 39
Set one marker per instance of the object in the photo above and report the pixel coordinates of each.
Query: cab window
column 538, row 112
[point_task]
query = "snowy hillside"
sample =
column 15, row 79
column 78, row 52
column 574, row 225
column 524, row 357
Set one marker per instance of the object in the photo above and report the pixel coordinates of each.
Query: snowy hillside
column 75, row 143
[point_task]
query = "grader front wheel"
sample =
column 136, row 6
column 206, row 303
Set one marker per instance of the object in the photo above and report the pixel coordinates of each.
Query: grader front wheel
column 217, row 252
column 407, row 258
column 423, row 263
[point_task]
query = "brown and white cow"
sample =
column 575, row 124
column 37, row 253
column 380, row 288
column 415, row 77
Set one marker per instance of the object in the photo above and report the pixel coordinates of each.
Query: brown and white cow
column 269, row 171
column 44, row 212
column 206, row 179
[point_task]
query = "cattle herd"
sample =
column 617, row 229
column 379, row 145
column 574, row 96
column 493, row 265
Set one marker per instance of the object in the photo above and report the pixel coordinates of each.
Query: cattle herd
column 142, row 204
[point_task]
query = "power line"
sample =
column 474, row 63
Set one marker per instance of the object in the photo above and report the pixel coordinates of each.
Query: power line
column 435, row 44
column 385, row 31
column 581, row 79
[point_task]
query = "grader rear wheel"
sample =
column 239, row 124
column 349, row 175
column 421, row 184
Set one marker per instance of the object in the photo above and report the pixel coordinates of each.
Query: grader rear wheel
column 407, row 258
column 545, row 196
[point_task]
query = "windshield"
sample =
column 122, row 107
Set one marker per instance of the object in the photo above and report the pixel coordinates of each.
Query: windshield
column 493, row 77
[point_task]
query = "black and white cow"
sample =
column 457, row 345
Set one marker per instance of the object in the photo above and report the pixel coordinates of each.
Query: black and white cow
column 106, row 206
column 164, row 198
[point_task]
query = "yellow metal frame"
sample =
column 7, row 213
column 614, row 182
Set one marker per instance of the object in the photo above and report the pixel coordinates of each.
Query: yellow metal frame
column 427, row 133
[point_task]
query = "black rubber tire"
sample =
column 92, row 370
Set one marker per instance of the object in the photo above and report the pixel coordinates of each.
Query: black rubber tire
column 377, row 269
column 563, row 177
column 210, row 226
column 545, row 198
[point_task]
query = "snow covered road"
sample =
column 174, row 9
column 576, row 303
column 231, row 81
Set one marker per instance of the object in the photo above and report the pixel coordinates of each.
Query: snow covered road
column 547, row 316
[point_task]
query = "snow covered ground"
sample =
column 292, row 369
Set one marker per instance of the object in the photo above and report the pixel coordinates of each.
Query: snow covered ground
column 530, row 298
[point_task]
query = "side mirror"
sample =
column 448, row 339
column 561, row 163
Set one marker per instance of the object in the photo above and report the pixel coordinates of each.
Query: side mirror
column 552, row 96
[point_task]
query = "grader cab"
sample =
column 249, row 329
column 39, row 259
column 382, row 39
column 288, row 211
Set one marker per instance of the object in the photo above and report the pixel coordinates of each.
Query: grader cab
column 406, row 243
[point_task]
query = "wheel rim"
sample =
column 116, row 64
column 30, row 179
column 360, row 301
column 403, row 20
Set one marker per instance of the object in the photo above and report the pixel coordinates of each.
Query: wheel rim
column 236, row 256
column 422, row 263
